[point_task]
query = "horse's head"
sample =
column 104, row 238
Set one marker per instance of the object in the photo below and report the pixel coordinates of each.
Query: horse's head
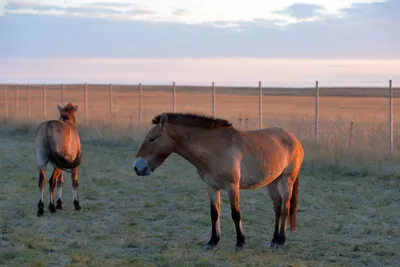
column 155, row 148
column 68, row 113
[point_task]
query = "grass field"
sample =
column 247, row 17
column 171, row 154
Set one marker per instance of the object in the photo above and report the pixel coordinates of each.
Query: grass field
column 344, row 219
column 349, row 189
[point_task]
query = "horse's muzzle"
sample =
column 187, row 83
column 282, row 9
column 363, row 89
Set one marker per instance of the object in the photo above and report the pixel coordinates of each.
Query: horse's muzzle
column 141, row 167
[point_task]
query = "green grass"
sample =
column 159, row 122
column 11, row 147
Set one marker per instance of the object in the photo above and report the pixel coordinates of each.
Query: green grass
column 345, row 218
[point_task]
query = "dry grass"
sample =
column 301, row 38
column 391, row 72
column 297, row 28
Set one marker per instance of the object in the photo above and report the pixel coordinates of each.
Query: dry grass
column 349, row 196
column 343, row 219
column 354, row 124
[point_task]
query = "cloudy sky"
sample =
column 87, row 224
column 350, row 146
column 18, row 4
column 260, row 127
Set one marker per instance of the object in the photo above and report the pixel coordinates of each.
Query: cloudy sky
column 196, row 41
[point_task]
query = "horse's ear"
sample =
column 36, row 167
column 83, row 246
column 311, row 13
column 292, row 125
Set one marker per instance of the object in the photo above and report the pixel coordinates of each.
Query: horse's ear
column 163, row 120
column 76, row 107
column 60, row 109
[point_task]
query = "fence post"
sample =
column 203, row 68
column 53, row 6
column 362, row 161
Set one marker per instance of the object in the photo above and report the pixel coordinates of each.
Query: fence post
column 86, row 105
column 5, row 102
column 16, row 101
column 29, row 101
column 44, row 102
column 140, row 104
column 62, row 94
column 316, row 113
column 260, row 106
column 351, row 135
column 173, row 97
column 391, row 117
column 213, row 99
column 110, row 99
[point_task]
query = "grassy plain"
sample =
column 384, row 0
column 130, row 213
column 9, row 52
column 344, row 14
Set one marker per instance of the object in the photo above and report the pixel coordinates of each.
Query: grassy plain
column 349, row 194
column 344, row 219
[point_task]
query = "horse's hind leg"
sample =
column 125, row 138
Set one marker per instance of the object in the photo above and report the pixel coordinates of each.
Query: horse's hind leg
column 42, row 185
column 277, row 202
column 285, row 188
column 234, row 196
column 52, row 183
column 60, row 185
column 74, row 177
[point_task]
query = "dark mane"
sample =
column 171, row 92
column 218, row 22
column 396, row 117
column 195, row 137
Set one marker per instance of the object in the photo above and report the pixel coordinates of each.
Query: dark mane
column 194, row 120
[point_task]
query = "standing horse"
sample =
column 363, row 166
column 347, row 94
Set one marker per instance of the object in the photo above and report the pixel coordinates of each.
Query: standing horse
column 58, row 142
column 229, row 159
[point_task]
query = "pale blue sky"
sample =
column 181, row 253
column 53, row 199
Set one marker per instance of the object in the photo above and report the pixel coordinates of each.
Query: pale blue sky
column 176, row 29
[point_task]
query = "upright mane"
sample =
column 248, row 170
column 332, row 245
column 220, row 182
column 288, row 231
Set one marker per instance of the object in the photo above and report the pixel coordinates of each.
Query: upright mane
column 194, row 120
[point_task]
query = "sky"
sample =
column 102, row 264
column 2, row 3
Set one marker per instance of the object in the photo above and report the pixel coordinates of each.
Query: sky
column 233, row 42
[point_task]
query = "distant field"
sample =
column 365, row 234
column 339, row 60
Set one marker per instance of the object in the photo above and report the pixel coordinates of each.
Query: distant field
column 290, row 108
column 345, row 218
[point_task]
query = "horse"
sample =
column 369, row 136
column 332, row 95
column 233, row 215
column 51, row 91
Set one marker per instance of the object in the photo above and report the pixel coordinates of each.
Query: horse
column 229, row 159
column 58, row 142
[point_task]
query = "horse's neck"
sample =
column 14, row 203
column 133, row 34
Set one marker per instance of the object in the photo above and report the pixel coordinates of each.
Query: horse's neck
column 197, row 149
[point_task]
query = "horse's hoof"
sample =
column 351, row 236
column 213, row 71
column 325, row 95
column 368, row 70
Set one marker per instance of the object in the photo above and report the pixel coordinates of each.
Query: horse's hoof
column 272, row 245
column 52, row 208
column 279, row 246
column 209, row 246
column 59, row 204
column 40, row 212
column 239, row 248
column 76, row 205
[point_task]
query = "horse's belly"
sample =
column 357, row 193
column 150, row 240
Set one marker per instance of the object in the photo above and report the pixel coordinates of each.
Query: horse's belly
column 258, row 177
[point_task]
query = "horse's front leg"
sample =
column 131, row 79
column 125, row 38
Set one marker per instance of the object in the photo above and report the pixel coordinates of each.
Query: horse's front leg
column 234, row 196
column 214, row 195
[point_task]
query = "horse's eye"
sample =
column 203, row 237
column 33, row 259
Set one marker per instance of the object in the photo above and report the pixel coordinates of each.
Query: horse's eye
column 152, row 139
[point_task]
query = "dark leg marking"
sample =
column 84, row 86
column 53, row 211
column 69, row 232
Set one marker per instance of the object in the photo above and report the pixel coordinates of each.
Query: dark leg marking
column 52, row 185
column 215, row 234
column 76, row 200
column 42, row 184
column 240, row 237
column 60, row 185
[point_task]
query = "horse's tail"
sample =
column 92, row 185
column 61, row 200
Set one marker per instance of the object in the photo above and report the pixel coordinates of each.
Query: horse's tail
column 293, row 204
column 58, row 160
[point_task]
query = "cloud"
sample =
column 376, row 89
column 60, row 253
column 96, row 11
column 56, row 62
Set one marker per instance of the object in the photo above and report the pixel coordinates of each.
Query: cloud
column 356, row 35
column 180, row 11
column 388, row 10
column 281, row 13
column 302, row 11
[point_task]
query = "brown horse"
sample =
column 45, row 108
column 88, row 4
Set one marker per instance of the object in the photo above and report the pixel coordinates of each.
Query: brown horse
column 58, row 142
column 229, row 159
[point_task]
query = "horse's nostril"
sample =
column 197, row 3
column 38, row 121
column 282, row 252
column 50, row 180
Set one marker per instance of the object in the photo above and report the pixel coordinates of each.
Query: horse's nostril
column 135, row 169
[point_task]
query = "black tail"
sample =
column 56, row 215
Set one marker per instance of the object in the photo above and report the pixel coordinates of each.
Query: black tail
column 293, row 204
column 59, row 161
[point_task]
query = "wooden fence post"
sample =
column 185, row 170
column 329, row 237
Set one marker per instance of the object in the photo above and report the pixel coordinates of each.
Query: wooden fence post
column 173, row 97
column 110, row 100
column 44, row 102
column 29, row 101
column 62, row 94
column 391, row 118
column 316, row 113
column 260, row 106
column 86, row 104
column 16, row 102
column 213, row 99
column 5, row 102
column 140, row 104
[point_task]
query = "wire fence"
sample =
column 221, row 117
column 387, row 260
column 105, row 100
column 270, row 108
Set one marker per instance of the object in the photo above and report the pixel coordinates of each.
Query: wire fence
column 345, row 117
